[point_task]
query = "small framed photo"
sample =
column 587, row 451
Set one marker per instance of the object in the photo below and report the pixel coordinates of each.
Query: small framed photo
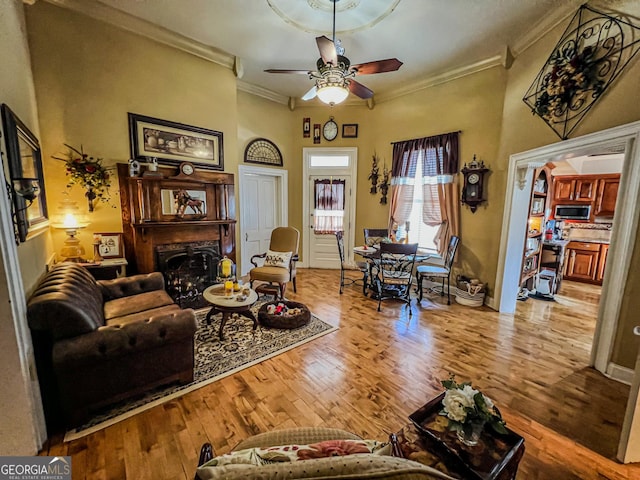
column 316, row 133
column 306, row 127
column 349, row 130
column 109, row 244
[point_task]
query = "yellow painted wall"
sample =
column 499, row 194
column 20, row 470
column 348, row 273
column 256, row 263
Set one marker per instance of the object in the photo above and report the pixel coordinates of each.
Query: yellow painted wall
column 522, row 131
column 88, row 75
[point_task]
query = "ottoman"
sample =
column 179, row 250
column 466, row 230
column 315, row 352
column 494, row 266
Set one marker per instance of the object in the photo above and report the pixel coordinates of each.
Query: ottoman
column 284, row 321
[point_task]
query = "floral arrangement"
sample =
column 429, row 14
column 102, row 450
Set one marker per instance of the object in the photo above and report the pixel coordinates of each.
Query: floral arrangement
column 468, row 409
column 88, row 172
column 573, row 75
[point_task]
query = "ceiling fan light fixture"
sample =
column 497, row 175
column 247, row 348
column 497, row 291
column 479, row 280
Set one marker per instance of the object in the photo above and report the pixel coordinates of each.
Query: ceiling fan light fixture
column 332, row 92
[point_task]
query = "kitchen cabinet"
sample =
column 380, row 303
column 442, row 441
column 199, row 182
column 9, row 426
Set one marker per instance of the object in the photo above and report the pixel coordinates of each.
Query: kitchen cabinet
column 605, row 205
column 586, row 261
column 575, row 189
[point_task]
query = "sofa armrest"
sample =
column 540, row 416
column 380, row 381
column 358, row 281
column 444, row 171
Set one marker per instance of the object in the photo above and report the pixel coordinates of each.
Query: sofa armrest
column 127, row 286
column 117, row 340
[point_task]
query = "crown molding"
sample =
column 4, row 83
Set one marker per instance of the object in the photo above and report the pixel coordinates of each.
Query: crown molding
column 262, row 92
column 544, row 25
column 120, row 19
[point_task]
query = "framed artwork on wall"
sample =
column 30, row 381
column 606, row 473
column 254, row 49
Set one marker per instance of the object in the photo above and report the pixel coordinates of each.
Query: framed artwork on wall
column 110, row 244
column 350, row 130
column 173, row 143
column 316, row 132
column 306, row 127
column 29, row 202
column 263, row 151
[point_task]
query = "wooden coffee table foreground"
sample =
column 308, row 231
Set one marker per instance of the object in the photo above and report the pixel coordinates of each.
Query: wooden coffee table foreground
column 228, row 305
column 427, row 440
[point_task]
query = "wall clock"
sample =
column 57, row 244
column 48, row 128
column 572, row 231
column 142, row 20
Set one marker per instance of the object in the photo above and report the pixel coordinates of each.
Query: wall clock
column 330, row 130
column 263, row 151
column 473, row 189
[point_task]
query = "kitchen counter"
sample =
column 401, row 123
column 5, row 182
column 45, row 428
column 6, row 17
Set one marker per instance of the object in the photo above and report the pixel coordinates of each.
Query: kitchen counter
column 557, row 242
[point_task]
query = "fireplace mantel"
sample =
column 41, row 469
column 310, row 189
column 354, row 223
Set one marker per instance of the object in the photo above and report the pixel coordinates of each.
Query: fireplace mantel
column 150, row 219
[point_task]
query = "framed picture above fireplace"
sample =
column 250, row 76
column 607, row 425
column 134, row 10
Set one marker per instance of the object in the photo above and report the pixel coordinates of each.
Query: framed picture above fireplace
column 180, row 202
column 174, row 143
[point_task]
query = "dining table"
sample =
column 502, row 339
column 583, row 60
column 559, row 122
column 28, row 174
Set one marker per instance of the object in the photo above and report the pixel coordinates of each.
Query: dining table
column 371, row 253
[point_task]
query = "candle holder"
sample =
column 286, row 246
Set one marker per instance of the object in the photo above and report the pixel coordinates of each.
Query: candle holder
column 226, row 270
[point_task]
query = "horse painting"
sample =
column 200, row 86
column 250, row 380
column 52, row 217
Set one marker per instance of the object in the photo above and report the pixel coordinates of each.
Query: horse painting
column 184, row 200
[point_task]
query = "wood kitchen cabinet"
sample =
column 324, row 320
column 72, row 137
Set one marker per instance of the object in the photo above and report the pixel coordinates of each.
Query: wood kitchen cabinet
column 586, row 261
column 563, row 189
column 605, row 205
column 575, row 189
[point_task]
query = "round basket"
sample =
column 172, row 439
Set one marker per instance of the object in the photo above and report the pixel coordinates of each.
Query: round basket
column 284, row 321
column 470, row 295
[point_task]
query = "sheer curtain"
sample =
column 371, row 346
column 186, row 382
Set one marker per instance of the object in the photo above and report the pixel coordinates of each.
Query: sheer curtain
column 439, row 158
column 328, row 211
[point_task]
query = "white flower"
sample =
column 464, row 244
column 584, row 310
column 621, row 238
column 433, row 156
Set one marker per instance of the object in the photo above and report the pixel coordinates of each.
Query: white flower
column 488, row 402
column 455, row 403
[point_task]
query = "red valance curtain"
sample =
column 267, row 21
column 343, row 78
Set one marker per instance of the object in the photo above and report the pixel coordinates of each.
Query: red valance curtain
column 329, row 206
column 439, row 156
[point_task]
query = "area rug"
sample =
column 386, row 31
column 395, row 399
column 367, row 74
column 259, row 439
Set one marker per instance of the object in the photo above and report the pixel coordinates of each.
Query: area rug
column 242, row 347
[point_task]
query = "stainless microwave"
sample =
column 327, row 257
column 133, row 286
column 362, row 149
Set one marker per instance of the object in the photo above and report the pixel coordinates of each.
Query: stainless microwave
column 572, row 212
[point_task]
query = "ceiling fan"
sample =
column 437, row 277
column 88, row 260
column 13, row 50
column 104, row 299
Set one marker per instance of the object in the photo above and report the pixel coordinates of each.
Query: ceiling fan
column 335, row 75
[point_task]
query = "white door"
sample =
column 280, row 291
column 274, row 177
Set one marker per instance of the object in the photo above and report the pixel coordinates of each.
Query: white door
column 261, row 210
column 320, row 250
column 323, row 247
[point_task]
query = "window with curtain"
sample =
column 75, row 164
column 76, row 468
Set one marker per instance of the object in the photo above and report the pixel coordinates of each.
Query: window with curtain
column 328, row 213
column 429, row 214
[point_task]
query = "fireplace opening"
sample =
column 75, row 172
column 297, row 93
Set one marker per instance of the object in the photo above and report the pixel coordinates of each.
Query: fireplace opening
column 188, row 269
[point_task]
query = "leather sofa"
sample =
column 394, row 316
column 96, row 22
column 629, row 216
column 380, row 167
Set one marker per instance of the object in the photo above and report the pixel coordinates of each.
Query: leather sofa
column 100, row 342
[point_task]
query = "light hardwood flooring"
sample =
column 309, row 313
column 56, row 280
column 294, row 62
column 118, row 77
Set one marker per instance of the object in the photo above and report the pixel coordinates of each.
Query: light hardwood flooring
column 368, row 376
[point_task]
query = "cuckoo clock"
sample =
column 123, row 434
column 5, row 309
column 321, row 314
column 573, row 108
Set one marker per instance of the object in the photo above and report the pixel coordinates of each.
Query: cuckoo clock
column 473, row 189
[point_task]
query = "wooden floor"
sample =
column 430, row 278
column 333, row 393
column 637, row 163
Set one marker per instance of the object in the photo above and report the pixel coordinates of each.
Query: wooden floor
column 368, row 376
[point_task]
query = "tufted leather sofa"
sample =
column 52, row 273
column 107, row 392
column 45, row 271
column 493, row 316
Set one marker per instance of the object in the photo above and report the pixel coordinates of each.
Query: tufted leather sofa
column 99, row 342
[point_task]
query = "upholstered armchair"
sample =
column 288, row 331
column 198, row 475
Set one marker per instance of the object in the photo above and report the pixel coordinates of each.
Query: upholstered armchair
column 279, row 264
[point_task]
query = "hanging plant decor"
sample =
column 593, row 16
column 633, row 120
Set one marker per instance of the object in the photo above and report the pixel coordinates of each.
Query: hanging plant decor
column 592, row 52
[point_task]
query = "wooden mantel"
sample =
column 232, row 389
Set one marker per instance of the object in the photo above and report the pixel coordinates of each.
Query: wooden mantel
column 149, row 217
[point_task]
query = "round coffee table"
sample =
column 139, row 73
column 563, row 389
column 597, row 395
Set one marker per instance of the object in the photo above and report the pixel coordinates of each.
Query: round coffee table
column 228, row 305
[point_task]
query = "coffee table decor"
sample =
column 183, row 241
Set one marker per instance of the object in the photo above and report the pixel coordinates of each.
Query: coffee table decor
column 284, row 315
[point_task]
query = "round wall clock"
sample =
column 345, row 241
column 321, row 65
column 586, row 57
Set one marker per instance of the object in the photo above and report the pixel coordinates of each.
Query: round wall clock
column 186, row 168
column 330, row 130
column 263, row 151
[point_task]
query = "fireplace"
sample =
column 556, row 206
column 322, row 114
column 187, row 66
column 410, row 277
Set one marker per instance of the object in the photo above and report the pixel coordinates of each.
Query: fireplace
column 188, row 269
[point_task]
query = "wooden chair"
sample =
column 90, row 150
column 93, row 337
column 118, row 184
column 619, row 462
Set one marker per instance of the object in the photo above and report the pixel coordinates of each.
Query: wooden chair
column 348, row 266
column 395, row 271
column 374, row 236
column 284, row 240
column 443, row 272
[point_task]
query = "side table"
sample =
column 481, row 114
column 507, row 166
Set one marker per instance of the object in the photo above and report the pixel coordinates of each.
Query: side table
column 107, row 269
column 228, row 305
column 427, row 440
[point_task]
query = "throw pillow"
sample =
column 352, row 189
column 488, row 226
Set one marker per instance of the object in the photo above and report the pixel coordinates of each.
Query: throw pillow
column 277, row 259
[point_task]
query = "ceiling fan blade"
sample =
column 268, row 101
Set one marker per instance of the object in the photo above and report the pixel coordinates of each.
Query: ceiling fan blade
column 360, row 90
column 379, row 66
column 276, row 70
column 327, row 50
column 310, row 94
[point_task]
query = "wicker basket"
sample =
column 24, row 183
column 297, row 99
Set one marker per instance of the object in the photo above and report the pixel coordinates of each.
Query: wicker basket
column 284, row 321
column 469, row 294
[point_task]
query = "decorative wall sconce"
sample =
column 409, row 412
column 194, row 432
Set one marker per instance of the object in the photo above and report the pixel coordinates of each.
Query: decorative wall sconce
column 592, row 52
column 373, row 176
column 384, row 185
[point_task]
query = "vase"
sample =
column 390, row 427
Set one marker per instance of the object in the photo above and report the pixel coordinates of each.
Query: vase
column 470, row 436
column 91, row 196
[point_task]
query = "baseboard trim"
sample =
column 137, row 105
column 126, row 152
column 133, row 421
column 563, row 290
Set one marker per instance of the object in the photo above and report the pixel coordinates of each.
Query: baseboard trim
column 619, row 373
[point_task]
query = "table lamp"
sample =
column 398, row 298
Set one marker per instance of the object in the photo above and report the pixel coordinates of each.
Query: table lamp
column 71, row 220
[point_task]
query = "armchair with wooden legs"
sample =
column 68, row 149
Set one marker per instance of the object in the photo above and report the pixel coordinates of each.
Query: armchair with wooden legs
column 279, row 266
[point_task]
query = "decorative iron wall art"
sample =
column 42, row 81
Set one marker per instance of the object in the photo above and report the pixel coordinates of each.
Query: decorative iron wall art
column 592, row 52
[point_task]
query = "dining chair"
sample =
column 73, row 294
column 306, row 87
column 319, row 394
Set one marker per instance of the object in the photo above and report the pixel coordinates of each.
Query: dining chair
column 436, row 271
column 279, row 265
column 374, row 236
column 395, row 271
column 350, row 266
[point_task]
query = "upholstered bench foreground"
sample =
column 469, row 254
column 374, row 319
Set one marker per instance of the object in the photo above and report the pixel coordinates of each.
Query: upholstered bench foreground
column 99, row 342
column 310, row 453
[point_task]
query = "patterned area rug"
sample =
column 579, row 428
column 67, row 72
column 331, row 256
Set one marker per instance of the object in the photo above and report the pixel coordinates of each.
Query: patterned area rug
column 242, row 347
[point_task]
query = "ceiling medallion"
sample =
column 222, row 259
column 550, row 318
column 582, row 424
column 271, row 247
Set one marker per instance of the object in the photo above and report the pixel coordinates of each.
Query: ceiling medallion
column 311, row 16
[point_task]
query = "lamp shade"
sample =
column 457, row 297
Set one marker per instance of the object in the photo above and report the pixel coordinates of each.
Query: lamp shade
column 68, row 216
column 332, row 94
